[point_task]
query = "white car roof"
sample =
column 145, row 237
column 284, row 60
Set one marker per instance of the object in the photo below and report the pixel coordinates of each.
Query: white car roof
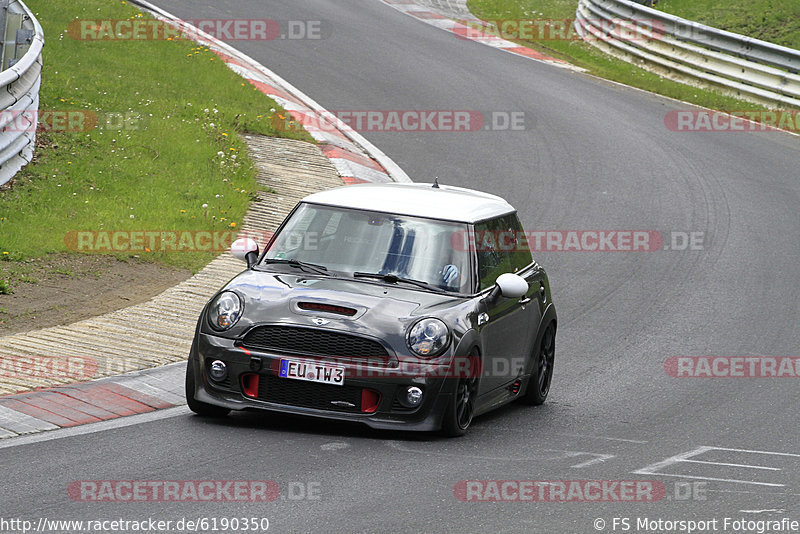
column 416, row 199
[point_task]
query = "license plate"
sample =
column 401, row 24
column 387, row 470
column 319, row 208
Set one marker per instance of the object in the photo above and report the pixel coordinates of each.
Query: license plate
column 312, row 372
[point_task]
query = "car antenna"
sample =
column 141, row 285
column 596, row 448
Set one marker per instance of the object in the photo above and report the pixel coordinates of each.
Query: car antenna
column 436, row 183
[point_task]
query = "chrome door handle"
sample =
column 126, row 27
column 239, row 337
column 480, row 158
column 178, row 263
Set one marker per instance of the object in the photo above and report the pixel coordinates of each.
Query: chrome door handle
column 525, row 300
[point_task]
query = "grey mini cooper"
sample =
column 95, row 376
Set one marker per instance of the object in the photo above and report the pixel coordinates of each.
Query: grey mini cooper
column 401, row 306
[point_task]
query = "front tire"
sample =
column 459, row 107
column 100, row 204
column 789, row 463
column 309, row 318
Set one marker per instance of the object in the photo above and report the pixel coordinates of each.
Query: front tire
column 542, row 375
column 200, row 408
column 461, row 408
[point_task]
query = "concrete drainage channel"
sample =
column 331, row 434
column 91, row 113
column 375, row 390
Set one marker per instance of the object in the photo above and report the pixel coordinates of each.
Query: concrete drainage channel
column 79, row 365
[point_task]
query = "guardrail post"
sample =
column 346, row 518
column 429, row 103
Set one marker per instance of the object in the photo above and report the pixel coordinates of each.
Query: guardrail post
column 22, row 44
column 3, row 13
column 13, row 23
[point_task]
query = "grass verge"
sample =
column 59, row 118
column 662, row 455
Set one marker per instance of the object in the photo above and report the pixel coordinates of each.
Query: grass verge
column 775, row 21
column 577, row 52
column 151, row 145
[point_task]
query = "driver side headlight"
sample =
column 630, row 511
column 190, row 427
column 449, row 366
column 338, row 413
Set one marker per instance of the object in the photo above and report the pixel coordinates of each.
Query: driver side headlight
column 224, row 310
column 428, row 337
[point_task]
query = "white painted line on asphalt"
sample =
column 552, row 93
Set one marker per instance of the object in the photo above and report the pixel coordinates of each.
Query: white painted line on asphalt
column 560, row 455
column 761, row 493
column 607, row 438
column 755, row 452
column 672, row 460
column 732, row 465
column 776, row 510
column 599, row 459
column 714, row 479
column 686, row 457
column 95, row 427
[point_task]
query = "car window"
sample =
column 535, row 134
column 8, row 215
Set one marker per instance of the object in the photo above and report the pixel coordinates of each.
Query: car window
column 351, row 240
column 501, row 247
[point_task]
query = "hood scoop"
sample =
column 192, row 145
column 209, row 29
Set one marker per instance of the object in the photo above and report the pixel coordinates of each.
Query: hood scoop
column 326, row 308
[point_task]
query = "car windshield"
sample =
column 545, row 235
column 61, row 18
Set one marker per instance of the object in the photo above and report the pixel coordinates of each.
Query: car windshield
column 356, row 241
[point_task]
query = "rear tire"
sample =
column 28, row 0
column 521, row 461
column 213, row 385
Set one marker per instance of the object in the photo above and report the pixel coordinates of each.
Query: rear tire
column 200, row 408
column 542, row 375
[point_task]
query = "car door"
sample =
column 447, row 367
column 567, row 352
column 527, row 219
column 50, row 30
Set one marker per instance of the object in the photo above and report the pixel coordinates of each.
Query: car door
column 507, row 324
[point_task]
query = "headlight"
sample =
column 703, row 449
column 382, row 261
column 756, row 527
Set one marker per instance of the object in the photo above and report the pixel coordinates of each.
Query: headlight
column 224, row 310
column 428, row 337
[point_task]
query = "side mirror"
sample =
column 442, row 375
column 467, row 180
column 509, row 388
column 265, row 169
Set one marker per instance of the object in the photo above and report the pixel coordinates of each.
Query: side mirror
column 245, row 249
column 511, row 286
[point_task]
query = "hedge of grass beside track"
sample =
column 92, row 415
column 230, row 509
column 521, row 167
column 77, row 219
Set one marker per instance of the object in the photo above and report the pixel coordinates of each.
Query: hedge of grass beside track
column 775, row 21
column 150, row 144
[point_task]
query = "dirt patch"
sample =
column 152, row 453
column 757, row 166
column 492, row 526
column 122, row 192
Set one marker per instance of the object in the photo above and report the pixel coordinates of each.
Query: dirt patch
column 64, row 288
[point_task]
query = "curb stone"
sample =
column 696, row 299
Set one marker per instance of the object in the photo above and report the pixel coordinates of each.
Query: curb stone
column 455, row 17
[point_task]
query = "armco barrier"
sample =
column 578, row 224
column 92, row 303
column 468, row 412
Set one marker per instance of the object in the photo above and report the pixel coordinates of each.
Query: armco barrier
column 20, row 78
column 743, row 66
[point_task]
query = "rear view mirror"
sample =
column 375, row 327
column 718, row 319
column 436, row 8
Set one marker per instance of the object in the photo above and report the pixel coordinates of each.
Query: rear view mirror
column 245, row 249
column 512, row 285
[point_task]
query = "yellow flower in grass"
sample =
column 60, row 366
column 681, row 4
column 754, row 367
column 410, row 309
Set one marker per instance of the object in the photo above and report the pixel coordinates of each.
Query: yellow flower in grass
column 232, row 225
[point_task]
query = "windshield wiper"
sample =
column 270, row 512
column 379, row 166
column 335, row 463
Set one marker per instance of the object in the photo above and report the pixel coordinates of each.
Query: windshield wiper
column 393, row 279
column 320, row 269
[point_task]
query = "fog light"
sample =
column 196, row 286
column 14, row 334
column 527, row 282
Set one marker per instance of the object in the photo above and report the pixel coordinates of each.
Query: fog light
column 413, row 396
column 218, row 370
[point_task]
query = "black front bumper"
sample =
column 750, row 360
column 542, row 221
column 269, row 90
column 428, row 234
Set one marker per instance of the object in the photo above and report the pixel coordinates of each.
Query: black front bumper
column 285, row 395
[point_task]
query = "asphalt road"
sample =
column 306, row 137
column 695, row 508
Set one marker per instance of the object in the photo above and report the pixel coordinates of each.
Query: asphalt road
column 593, row 156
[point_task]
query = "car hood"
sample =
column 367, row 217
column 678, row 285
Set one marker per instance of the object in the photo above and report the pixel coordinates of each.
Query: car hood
column 380, row 310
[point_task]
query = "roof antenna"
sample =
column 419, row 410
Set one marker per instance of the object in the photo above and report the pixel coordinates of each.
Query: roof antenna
column 436, row 183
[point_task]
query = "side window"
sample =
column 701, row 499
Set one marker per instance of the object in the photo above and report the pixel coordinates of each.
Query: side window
column 501, row 248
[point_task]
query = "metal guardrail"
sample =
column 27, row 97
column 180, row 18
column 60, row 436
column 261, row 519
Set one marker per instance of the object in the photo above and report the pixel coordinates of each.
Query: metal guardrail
column 20, row 78
column 692, row 52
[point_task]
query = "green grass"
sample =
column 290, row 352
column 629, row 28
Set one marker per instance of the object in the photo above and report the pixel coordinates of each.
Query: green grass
column 176, row 150
column 776, row 21
column 593, row 60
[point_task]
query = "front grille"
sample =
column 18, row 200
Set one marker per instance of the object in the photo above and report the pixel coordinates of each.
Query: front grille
column 314, row 342
column 308, row 394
